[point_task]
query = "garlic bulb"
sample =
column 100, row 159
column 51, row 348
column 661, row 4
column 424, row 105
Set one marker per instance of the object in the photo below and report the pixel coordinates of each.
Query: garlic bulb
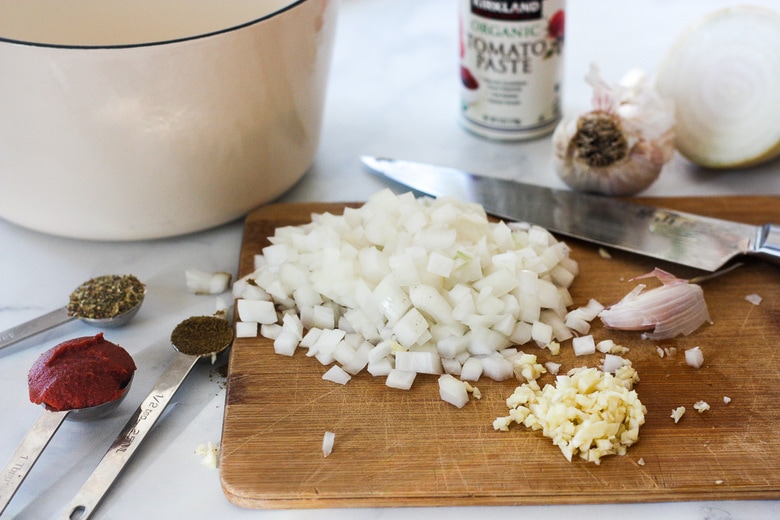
column 619, row 147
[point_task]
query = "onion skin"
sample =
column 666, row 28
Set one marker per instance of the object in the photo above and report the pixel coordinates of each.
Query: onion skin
column 677, row 307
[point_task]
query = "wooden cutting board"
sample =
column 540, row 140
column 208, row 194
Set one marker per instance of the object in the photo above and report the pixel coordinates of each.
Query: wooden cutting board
column 405, row 448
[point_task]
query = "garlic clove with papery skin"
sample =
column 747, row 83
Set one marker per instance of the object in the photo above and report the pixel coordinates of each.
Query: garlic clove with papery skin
column 619, row 147
column 676, row 307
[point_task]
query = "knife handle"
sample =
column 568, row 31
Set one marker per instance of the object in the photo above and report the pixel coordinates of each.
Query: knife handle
column 768, row 243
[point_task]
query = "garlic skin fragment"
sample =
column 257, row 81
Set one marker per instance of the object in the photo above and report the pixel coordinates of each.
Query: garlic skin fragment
column 619, row 147
column 676, row 307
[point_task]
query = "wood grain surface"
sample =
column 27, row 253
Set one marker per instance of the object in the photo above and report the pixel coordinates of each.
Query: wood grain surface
column 405, row 448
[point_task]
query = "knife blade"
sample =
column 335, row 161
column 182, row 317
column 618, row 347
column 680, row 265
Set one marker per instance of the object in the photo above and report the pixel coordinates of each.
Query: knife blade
column 683, row 238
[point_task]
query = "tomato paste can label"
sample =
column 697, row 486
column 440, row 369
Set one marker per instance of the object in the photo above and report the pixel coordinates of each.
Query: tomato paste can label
column 511, row 63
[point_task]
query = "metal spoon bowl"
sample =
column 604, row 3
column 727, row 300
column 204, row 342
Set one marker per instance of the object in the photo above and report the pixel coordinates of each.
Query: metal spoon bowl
column 141, row 422
column 92, row 413
column 38, row 437
column 115, row 321
column 60, row 316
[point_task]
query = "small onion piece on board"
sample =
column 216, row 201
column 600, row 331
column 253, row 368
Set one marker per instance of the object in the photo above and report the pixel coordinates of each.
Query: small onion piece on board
column 328, row 439
column 723, row 75
column 694, row 357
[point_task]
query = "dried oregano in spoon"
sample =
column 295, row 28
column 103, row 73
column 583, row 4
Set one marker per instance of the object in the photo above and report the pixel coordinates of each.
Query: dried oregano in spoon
column 106, row 297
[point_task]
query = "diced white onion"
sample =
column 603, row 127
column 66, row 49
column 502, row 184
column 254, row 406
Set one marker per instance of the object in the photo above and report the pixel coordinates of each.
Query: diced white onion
column 380, row 367
column 612, row 363
column 336, row 374
column 583, row 345
column 201, row 282
column 694, row 357
column 328, row 440
column 497, row 367
column 286, row 343
column 472, row 369
column 260, row 311
column 400, row 379
column 453, row 391
column 419, row 362
column 451, row 366
column 246, row 329
column 541, row 333
column 270, row 330
column 403, row 286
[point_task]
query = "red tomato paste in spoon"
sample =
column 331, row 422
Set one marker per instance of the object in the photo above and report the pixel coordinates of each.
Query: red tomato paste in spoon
column 80, row 373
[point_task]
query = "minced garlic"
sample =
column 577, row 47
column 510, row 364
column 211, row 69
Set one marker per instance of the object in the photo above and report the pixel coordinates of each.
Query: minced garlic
column 677, row 413
column 210, row 454
column 587, row 412
column 526, row 368
column 608, row 346
column 554, row 347
column 473, row 390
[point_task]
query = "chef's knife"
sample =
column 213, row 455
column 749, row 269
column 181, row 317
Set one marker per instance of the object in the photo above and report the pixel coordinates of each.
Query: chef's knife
column 683, row 238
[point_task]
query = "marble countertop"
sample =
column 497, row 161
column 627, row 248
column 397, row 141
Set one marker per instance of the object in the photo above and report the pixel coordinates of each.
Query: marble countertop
column 393, row 92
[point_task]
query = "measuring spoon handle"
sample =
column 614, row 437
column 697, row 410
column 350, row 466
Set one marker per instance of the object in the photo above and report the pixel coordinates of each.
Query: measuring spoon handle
column 34, row 326
column 140, row 423
column 25, row 456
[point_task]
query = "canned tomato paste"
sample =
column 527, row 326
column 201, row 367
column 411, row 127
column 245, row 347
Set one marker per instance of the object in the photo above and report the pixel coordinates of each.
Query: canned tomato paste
column 511, row 62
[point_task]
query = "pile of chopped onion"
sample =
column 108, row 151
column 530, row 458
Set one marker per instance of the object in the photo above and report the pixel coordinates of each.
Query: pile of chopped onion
column 588, row 412
column 403, row 286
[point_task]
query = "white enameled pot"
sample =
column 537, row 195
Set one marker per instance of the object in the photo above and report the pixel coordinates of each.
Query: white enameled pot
column 141, row 119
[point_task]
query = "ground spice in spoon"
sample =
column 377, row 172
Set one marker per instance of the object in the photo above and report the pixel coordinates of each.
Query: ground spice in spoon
column 106, row 297
column 202, row 335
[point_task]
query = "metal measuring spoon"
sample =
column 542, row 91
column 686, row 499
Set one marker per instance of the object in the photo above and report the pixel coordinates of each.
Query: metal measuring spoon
column 193, row 339
column 38, row 437
column 60, row 316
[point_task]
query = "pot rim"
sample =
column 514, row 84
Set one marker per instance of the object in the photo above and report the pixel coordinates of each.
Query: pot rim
column 293, row 4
